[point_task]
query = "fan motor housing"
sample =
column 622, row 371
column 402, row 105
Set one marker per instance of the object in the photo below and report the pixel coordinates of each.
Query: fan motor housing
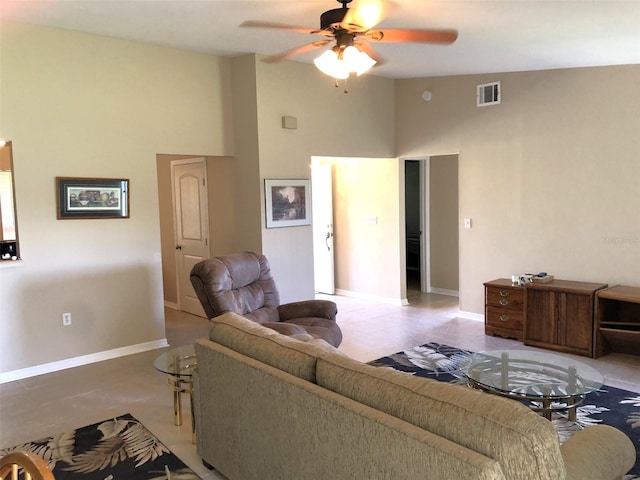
column 331, row 17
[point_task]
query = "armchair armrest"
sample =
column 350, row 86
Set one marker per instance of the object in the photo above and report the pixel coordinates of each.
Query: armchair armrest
column 308, row 308
column 599, row 452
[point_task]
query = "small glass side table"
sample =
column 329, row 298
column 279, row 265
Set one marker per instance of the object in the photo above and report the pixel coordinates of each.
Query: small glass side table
column 179, row 363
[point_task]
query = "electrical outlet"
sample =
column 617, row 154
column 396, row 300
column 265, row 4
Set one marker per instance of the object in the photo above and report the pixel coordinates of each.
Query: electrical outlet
column 66, row 319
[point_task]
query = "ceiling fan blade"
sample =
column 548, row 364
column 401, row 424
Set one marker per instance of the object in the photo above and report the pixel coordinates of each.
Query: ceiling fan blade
column 389, row 35
column 296, row 51
column 278, row 26
column 365, row 14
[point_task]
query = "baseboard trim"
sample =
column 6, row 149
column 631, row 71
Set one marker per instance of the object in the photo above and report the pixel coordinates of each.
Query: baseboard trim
column 444, row 291
column 82, row 360
column 364, row 296
column 471, row 316
column 171, row 305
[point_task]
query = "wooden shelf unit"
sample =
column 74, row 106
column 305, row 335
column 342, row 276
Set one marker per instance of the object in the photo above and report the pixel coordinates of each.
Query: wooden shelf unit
column 559, row 315
column 617, row 321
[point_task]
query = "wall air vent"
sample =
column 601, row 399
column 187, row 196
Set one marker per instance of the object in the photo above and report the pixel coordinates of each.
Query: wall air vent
column 489, row 94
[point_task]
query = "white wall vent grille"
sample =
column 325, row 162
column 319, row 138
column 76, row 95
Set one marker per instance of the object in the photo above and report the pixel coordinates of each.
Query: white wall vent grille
column 489, row 94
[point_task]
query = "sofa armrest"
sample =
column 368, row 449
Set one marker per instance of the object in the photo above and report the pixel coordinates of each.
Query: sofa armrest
column 308, row 308
column 599, row 452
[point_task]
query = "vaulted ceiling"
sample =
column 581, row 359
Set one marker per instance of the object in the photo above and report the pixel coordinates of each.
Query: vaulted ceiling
column 494, row 35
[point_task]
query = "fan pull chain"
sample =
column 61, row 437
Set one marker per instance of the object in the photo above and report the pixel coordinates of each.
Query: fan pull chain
column 346, row 87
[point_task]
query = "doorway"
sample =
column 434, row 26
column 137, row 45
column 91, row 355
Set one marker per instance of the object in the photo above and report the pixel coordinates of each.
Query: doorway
column 416, row 261
column 431, row 223
column 191, row 226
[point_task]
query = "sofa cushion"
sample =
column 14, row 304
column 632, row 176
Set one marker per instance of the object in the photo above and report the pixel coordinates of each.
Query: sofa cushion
column 525, row 444
column 296, row 356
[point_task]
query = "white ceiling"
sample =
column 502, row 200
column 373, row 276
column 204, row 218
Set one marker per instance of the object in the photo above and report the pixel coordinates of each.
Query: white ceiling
column 494, row 35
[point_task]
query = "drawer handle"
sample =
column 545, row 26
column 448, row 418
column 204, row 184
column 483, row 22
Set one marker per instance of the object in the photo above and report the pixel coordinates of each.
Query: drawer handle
column 504, row 318
column 504, row 293
column 504, row 302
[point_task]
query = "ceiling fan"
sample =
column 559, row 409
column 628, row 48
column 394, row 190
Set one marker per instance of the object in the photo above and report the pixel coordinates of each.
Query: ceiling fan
column 352, row 29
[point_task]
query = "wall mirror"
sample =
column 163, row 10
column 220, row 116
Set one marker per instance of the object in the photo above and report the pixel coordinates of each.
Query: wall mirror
column 9, row 248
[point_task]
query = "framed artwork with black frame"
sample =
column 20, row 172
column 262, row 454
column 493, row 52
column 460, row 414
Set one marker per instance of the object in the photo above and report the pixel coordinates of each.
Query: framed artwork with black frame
column 78, row 198
column 287, row 203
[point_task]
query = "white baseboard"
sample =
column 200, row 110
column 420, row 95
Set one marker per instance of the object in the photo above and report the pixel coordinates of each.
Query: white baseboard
column 171, row 305
column 444, row 291
column 374, row 298
column 83, row 360
column 471, row 316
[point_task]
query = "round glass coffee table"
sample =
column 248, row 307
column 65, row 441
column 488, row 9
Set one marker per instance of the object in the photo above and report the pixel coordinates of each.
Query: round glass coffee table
column 179, row 363
column 547, row 383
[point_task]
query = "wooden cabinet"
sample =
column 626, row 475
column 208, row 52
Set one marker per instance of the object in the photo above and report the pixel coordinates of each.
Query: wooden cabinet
column 503, row 309
column 559, row 315
column 617, row 320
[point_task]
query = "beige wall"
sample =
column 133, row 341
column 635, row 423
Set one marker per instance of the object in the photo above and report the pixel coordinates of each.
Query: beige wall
column 369, row 228
column 330, row 123
column 167, row 229
column 83, row 105
column 550, row 176
column 443, row 223
column 246, row 198
column 261, row 94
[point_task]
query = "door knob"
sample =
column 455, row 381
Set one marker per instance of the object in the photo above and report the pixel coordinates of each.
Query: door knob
column 178, row 247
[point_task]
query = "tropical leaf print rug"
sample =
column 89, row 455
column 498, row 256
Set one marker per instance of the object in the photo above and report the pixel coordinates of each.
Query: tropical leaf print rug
column 118, row 448
column 609, row 406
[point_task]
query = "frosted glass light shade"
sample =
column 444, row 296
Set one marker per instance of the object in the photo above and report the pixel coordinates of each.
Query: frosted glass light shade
column 353, row 60
column 329, row 64
column 357, row 61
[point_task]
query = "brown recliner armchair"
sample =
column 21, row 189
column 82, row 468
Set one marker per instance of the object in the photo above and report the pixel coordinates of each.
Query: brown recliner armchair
column 242, row 283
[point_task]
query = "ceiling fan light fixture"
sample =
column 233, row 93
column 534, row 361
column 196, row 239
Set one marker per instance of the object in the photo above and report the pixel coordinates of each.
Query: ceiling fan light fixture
column 357, row 61
column 339, row 66
column 329, row 64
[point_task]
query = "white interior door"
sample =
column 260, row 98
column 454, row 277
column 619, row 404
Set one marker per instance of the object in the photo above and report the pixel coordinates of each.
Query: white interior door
column 322, row 214
column 191, row 226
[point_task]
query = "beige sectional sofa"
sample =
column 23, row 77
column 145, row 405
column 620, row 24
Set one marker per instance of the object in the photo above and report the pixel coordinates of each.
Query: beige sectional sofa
column 274, row 407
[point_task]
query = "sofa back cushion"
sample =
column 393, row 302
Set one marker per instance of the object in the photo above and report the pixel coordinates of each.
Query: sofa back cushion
column 525, row 444
column 295, row 355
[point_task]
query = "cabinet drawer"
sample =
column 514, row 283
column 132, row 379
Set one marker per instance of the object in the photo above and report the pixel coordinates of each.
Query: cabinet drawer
column 505, row 298
column 503, row 318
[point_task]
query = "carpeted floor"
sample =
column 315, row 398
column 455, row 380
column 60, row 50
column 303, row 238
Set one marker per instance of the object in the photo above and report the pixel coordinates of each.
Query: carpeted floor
column 610, row 406
column 115, row 448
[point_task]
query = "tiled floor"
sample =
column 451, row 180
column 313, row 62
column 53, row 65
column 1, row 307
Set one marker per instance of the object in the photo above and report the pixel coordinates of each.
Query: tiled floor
column 40, row 406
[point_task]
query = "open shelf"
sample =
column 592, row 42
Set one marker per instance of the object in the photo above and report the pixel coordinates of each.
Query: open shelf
column 628, row 326
column 617, row 325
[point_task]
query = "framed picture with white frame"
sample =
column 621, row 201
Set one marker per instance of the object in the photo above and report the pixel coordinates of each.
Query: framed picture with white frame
column 287, row 203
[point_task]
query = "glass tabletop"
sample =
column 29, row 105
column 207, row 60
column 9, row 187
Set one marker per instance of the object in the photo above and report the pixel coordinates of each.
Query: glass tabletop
column 531, row 374
column 179, row 361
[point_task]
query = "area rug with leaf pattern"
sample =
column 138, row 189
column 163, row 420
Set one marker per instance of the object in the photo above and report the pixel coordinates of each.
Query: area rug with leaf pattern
column 610, row 406
column 118, row 448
